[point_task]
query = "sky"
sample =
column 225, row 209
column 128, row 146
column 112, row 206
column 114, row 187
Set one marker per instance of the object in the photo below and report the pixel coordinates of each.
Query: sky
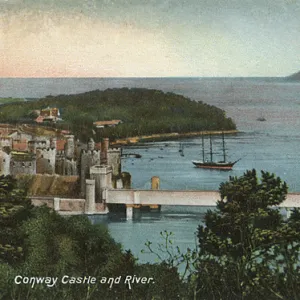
column 149, row 38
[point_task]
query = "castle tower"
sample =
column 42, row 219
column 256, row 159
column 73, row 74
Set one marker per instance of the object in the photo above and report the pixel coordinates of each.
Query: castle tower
column 4, row 163
column 104, row 149
column 88, row 158
column 78, row 147
column 70, row 147
column 22, row 163
column 53, row 143
column 45, row 161
column 32, row 146
column 35, row 144
column 114, row 160
column 91, row 144
column 90, row 196
column 102, row 175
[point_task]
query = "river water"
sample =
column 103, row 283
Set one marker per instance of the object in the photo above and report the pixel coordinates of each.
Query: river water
column 271, row 145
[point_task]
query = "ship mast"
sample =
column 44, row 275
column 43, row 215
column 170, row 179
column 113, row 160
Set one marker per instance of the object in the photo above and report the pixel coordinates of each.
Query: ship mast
column 224, row 152
column 211, row 154
column 203, row 154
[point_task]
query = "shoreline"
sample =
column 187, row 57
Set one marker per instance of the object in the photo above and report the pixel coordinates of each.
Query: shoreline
column 167, row 136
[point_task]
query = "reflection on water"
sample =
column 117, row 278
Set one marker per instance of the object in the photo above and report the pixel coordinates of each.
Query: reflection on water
column 146, row 226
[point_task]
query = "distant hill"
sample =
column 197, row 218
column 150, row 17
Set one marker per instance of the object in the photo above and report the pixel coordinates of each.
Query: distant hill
column 295, row 76
column 142, row 112
column 10, row 100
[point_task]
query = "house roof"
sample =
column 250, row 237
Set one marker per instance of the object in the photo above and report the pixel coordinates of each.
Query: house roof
column 107, row 123
column 65, row 131
column 60, row 145
column 98, row 146
column 22, row 156
column 20, row 146
column 7, row 131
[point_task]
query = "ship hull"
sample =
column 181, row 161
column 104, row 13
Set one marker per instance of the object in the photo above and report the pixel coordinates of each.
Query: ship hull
column 217, row 166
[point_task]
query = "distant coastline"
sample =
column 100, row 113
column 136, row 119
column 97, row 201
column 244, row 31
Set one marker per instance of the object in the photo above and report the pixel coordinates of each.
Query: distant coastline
column 41, row 87
column 295, row 76
column 167, row 136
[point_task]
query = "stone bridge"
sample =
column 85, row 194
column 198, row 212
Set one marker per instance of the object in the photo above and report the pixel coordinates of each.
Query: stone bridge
column 99, row 193
column 176, row 197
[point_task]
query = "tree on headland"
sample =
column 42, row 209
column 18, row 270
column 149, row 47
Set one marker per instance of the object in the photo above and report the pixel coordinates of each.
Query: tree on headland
column 247, row 249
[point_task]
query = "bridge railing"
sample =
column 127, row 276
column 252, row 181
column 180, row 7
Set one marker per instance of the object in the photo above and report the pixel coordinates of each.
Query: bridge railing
column 178, row 197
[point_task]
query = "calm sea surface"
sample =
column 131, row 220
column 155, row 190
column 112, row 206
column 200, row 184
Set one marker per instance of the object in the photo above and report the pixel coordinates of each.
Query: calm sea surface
column 272, row 145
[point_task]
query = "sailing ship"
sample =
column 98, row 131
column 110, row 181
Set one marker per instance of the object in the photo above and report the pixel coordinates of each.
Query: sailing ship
column 219, row 165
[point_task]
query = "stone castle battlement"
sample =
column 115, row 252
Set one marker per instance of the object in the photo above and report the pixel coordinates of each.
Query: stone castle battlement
column 27, row 166
column 46, row 151
column 61, row 153
column 90, row 152
column 33, row 145
column 76, row 159
column 115, row 149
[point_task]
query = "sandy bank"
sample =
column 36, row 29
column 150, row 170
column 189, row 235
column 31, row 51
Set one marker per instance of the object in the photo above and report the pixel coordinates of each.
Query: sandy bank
column 167, row 136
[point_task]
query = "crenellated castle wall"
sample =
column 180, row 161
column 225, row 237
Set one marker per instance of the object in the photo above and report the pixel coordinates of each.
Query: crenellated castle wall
column 4, row 163
column 45, row 160
column 22, row 166
column 41, row 144
column 70, row 147
column 42, row 157
column 114, row 160
column 64, row 166
column 5, row 142
column 88, row 159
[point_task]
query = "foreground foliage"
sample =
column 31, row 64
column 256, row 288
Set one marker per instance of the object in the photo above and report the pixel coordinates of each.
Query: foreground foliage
column 54, row 246
column 14, row 209
column 247, row 249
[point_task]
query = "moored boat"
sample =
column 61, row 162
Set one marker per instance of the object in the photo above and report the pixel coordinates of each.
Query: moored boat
column 219, row 165
column 214, row 165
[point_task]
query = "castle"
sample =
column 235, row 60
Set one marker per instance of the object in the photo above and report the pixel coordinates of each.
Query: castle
column 42, row 155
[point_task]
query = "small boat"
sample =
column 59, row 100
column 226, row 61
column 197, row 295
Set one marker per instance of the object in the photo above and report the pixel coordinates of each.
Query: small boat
column 261, row 119
column 219, row 165
column 181, row 149
column 134, row 155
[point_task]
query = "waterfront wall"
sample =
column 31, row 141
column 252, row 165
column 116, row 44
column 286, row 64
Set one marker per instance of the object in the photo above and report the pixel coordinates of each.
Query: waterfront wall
column 69, row 206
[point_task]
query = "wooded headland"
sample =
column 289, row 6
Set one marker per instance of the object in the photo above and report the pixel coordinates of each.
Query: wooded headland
column 142, row 112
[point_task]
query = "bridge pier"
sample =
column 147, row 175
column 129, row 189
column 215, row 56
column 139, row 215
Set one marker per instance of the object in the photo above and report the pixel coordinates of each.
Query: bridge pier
column 90, row 204
column 56, row 203
column 155, row 181
column 288, row 212
column 129, row 212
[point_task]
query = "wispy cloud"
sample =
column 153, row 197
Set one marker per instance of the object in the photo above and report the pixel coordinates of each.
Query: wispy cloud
column 149, row 38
